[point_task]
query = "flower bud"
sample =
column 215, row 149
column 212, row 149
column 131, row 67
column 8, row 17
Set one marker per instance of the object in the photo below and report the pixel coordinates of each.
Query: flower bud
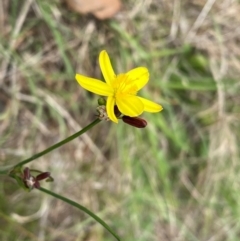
column 43, row 175
column 135, row 121
column 31, row 182
column 102, row 101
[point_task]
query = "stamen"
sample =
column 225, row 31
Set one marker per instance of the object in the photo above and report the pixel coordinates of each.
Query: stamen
column 123, row 86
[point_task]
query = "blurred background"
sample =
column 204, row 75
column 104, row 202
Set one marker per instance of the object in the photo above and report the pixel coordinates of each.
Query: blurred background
column 177, row 179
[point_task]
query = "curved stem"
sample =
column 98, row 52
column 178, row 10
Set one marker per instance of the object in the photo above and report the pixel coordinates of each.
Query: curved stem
column 70, row 138
column 64, row 199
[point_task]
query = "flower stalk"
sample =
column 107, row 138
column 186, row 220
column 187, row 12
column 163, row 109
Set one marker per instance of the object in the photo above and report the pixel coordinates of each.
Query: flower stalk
column 72, row 203
column 70, row 138
column 51, row 148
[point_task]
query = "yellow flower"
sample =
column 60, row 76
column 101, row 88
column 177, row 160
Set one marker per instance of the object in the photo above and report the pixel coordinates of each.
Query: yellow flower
column 120, row 89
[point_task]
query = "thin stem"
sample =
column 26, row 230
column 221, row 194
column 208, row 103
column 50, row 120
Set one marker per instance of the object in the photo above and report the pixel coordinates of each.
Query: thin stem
column 64, row 199
column 70, row 138
column 4, row 172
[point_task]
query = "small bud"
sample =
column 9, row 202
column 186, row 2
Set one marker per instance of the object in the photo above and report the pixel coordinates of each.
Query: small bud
column 102, row 101
column 43, row 175
column 135, row 121
column 26, row 173
column 31, row 182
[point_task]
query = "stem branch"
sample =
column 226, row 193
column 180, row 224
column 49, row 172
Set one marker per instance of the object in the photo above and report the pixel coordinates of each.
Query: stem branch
column 64, row 199
column 70, row 138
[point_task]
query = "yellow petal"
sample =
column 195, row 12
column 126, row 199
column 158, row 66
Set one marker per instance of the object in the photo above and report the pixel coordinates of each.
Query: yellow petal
column 138, row 76
column 93, row 85
column 150, row 106
column 110, row 109
column 106, row 67
column 130, row 105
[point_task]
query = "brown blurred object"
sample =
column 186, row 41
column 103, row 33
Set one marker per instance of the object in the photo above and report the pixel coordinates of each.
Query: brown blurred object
column 101, row 9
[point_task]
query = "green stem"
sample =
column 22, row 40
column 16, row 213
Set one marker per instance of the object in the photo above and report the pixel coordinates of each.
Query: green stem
column 64, row 199
column 5, row 170
column 70, row 138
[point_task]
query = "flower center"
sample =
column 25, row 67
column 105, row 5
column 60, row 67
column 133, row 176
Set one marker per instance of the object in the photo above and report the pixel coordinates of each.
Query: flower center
column 122, row 86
